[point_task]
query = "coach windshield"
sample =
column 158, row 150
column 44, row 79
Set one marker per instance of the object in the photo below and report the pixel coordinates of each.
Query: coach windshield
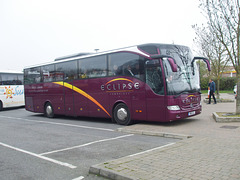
column 186, row 79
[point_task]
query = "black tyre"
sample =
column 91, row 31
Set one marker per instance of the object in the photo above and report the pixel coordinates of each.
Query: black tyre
column 49, row 110
column 121, row 114
column 1, row 106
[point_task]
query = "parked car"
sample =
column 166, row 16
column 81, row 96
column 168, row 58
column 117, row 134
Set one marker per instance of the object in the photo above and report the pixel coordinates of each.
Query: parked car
column 235, row 89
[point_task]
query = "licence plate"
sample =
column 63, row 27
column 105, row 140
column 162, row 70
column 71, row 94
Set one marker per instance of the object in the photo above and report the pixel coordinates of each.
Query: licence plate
column 191, row 113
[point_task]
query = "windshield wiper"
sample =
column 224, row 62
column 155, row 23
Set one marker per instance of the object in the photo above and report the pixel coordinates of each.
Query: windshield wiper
column 186, row 92
column 183, row 92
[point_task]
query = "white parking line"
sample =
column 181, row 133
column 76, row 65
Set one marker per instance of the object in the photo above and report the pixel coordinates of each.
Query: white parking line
column 61, row 124
column 87, row 144
column 79, row 178
column 150, row 150
column 40, row 156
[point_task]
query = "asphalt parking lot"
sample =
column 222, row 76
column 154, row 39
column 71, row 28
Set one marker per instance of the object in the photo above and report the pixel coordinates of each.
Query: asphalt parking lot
column 35, row 147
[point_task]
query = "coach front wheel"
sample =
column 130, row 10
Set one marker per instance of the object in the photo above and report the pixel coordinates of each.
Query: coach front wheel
column 49, row 110
column 121, row 114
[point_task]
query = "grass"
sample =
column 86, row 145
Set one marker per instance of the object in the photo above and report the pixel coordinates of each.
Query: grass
column 224, row 114
column 222, row 91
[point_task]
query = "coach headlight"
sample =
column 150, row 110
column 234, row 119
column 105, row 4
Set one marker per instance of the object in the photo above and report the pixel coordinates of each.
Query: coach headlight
column 173, row 108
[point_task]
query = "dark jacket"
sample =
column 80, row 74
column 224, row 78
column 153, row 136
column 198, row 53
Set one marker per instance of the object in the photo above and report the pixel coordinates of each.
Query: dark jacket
column 212, row 86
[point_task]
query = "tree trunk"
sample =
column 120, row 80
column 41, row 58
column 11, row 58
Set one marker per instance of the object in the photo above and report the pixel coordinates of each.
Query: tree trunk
column 238, row 94
column 218, row 85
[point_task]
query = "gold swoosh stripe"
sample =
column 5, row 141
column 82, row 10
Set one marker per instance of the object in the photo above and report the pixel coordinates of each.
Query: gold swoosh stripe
column 190, row 96
column 74, row 88
column 119, row 79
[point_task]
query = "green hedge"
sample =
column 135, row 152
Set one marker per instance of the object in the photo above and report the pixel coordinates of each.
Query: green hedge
column 226, row 83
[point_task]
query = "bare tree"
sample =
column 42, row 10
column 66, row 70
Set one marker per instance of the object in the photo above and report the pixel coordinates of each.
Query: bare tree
column 224, row 21
column 213, row 50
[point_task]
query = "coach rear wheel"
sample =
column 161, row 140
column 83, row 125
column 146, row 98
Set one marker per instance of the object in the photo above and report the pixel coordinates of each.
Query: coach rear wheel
column 49, row 110
column 121, row 114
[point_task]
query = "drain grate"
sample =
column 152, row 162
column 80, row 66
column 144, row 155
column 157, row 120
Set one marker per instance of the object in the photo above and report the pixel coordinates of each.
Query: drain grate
column 230, row 127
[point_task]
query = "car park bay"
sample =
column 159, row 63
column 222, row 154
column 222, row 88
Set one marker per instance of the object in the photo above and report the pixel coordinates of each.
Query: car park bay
column 35, row 147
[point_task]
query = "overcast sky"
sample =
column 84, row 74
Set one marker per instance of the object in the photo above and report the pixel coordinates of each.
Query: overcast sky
column 38, row 31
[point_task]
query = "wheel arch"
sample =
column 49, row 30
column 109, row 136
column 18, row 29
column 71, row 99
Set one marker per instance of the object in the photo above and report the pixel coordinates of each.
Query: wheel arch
column 129, row 119
column 45, row 112
column 116, row 103
column 47, row 101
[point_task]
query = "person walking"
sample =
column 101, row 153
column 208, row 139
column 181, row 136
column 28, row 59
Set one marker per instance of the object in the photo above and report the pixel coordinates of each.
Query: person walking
column 212, row 87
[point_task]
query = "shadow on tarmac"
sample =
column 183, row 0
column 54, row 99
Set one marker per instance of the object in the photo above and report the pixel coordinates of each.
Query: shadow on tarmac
column 168, row 124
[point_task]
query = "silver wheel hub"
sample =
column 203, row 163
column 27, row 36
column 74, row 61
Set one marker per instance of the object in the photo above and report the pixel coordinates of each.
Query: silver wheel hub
column 122, row 114
column 49, row 110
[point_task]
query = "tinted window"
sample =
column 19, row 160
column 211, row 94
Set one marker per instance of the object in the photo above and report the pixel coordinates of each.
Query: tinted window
column 126, row 64
column 48, row 74
column 32, row 75
column 11, row 79
column 150, row 49
column 66, row 71
column 20, row 79
column 154, row 79
column 93, row 67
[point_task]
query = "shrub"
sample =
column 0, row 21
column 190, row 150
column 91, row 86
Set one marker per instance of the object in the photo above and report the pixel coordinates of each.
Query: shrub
column 226, row 83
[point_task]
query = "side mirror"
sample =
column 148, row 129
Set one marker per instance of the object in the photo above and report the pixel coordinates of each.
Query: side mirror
column 170, row 59
column 173, row 64
column 204, row 59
